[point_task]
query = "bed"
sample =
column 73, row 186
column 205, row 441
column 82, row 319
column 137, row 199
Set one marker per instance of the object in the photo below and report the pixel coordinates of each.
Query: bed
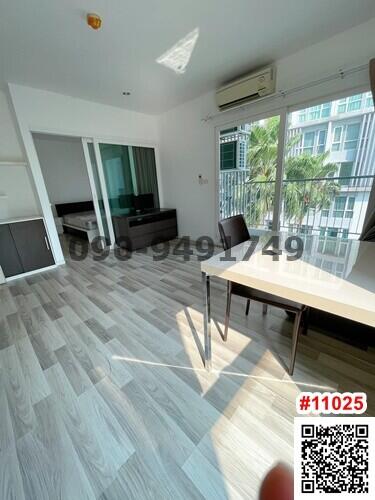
column 79, row 218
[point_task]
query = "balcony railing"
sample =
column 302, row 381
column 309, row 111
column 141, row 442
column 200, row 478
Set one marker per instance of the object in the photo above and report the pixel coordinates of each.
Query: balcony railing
column 336, row 205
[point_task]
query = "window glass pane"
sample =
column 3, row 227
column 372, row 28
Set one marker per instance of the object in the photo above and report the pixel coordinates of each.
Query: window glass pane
column 228, row 155
column 314, row 113
column 326, row 109
column 336, row 141
column 308, row 139
column 351, row 202
column 321, row 141
column 337, row 134
column 354, row 102
column 352, row 132
column 341, row 108
column 340, row 202
column 332, row 232
column 351, row 138
column 346, row 169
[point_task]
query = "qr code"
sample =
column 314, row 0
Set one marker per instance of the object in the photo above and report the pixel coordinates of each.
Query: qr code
column 334, row 458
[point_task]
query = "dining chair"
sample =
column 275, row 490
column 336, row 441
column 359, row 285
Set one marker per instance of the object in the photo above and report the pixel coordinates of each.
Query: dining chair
column 233, row 231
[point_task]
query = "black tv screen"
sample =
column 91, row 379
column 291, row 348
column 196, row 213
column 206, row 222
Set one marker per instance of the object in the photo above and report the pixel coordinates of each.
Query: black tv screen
column 144, row 201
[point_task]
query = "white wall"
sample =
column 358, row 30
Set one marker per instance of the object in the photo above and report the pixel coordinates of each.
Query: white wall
column 188, row 146
column 10, row 147
column 42, row 111
column 17, row 196
column 64, row 168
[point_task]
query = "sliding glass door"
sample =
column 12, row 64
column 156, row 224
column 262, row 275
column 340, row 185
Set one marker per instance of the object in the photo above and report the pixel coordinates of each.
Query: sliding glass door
column 123, row 181
column 329, row 169
column 129, row 172
column 309, row 171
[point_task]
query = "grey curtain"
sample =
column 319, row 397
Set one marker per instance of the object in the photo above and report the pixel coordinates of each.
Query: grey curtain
column 145, row 171
column 368, row 233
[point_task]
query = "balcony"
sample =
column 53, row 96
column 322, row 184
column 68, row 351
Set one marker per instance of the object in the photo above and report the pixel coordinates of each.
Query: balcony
column 332, row 206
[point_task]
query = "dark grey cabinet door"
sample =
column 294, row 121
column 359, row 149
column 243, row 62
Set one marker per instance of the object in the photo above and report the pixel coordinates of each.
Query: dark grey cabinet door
column 9, row 259
column 32, row 244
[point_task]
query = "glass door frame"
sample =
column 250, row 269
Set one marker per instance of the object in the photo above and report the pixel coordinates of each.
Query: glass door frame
column 133, row 143
column 96, row 141
column 107, row 210
column 282, row 113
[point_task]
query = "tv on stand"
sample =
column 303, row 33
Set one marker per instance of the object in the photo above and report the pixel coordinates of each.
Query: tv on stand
column 143, row 202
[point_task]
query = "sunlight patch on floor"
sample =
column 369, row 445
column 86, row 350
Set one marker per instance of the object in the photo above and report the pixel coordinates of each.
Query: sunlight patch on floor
column 219, row 373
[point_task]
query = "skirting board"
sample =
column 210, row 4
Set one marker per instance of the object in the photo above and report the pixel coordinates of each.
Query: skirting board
column 30, row 273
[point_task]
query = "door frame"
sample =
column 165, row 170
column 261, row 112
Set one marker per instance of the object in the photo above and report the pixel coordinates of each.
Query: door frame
column 103, row 186
column 40, row 186
column 85, row 141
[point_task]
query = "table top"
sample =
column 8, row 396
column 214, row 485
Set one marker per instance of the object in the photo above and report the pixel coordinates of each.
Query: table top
column 334, row 275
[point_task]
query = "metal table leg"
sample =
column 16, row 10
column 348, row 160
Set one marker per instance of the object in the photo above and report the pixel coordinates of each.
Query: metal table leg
column 207, row 321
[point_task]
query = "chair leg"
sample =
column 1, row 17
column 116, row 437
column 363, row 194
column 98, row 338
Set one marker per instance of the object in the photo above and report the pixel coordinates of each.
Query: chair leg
column 265, row 308
column 247, row 307
column 227, row 312
column 296, row 331
column 305, row 320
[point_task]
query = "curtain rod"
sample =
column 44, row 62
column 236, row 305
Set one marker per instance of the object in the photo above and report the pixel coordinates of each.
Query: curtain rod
column 284, row 93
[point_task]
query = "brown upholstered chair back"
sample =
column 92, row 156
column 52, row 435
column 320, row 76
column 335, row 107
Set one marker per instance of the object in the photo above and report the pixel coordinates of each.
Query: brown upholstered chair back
column 233, row 231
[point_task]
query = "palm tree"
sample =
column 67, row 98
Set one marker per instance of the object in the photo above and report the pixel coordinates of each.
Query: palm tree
column 302, row 192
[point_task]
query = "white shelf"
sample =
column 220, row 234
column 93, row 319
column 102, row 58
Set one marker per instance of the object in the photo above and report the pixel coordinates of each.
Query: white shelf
column 12, row 220
column 10, row 163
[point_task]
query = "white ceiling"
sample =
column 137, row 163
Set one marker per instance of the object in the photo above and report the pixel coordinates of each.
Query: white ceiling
column 46, row 43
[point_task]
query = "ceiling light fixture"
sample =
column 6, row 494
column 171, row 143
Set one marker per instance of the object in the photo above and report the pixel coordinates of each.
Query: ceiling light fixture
column 94, row 21
column 126, row 93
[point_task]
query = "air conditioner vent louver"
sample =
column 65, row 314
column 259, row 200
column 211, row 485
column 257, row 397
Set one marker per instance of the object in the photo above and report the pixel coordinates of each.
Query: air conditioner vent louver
column 246, row 89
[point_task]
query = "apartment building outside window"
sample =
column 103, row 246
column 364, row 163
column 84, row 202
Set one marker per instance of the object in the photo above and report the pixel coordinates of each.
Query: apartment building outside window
column 315, row 112
column 329, row 170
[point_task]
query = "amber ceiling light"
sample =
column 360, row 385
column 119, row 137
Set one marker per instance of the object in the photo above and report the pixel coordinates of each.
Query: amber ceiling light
column 94, row 21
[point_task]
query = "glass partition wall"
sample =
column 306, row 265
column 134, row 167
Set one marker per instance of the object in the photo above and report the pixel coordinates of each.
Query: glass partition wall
column 326, row 177
column 119, row 175
column 129, row 171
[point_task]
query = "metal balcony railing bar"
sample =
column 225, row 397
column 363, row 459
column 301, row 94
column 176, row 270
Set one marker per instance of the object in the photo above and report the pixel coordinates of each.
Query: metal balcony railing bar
column 239, row 194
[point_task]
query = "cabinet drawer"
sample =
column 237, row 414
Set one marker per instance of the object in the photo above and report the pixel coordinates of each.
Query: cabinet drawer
column 147, row 240
column 153, row 227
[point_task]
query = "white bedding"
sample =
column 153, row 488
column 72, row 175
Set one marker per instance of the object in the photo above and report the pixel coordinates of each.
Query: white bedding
column 81, row 220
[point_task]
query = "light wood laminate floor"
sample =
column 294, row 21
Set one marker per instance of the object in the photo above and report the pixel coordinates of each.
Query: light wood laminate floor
column 103, row 393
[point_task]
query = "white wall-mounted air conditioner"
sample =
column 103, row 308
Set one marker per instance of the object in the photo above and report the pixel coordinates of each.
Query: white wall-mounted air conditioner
column 248, row 88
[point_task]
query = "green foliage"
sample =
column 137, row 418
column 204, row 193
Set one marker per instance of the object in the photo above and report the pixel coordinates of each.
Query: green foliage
column 298, row 197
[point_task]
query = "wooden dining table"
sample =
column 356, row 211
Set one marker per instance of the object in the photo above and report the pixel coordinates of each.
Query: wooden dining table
column 333, row 275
